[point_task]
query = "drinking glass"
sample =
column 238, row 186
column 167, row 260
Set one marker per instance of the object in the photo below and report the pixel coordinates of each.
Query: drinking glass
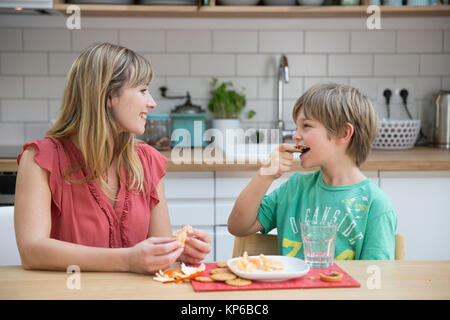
column 318, row 244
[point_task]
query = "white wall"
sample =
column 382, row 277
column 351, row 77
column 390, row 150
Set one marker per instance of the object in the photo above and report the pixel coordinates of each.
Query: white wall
column 36, row 52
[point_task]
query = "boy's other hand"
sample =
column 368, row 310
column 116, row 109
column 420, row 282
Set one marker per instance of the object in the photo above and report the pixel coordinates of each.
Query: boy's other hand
column 280, row 161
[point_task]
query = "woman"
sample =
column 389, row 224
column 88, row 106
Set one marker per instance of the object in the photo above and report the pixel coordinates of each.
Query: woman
column 90, row 194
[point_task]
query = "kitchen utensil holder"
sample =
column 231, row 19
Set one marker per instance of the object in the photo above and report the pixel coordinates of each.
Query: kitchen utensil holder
column 397, row 134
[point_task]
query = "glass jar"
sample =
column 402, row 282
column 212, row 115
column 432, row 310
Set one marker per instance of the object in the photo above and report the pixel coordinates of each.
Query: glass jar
column 157, row 131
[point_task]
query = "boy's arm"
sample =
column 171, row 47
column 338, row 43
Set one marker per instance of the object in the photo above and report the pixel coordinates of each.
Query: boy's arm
column 243, row 218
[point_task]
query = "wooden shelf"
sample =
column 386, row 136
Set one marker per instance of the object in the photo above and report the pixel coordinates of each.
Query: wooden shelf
column 217, row 11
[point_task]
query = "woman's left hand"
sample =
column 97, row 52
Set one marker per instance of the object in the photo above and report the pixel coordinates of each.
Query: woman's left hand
column 196, row 247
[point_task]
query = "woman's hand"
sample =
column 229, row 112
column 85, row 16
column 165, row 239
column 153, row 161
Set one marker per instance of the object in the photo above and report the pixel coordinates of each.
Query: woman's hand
column 196, row 247
column 153, row 254
column 280, row 161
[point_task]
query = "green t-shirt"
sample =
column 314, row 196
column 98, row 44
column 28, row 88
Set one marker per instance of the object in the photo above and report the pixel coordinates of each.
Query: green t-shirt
column 364, row 215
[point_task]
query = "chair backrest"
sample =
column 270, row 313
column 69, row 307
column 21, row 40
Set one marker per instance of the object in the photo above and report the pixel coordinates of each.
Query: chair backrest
column 9, row 254
column 399, row 247
column 255, row 244
column 267, row 244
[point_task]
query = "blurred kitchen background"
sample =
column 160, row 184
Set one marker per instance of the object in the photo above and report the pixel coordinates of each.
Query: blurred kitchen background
column 37, row 51
column 409, row 52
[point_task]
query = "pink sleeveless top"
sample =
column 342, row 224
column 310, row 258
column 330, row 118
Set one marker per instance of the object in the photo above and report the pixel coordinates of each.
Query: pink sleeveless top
column 82, row 213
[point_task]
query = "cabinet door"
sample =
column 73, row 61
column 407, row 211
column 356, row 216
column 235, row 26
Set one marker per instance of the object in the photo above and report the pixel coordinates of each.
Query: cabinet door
column 421, row 203
column 224, row 243
column 190, row 199
column 9, row 254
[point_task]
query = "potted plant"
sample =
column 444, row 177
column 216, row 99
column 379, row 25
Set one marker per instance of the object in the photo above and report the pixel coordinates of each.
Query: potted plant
column 226, row 105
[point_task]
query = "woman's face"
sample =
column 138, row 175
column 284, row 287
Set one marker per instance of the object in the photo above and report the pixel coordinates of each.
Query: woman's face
column 130, row 108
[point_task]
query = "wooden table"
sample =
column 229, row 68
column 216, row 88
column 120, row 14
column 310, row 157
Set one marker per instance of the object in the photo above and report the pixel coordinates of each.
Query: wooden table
column 404, row 279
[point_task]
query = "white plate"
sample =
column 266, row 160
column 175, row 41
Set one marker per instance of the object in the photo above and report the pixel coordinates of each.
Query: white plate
column 293, row 268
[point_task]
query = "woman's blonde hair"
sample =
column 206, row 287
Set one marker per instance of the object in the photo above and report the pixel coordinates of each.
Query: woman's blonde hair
column 100, row 71
column 334, row 105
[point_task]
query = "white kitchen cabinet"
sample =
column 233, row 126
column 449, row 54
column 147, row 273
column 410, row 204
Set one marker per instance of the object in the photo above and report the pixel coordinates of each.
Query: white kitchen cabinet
column 421, row 200
column 9, row 254
column 224, row 243
column 190, row 199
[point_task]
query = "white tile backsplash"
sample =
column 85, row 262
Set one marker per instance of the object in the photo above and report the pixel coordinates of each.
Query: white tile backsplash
column 327, row 41
column 189, row 41
column 46, row 39
column 10, row 39
column 213, row 64
column 60, row 63
column 435, row 64
column 447, row 40
column 44, row 87
column 373, row 41
column 350, row 65
column 169, row 64
column 235, row 41
column 24, row 110
column 36, row 53
column 280, row 41
column 23, row 63
column 307, row 65
column 143, row 40
column 85, row 37
column 419, row 41
column 396, row 65
column 11, row 87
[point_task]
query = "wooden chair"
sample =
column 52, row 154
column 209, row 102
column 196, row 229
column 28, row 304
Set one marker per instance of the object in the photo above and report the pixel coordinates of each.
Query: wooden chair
column 267, row 244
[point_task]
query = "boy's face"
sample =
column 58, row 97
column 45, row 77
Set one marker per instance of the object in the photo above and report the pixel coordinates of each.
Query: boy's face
column 313, row 135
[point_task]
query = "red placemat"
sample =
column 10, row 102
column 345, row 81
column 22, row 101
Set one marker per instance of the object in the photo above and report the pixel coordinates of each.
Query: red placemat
column 310, row 280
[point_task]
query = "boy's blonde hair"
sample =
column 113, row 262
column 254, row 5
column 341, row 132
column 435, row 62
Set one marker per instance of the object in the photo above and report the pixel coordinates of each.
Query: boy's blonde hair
column 100, row 71
column 334, row 105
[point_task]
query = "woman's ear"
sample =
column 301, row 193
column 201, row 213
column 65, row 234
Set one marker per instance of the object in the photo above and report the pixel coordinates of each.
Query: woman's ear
column 109, row 102
column 346, row 134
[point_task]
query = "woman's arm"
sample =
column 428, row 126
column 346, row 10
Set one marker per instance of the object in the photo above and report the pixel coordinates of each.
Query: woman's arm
column 32, row 220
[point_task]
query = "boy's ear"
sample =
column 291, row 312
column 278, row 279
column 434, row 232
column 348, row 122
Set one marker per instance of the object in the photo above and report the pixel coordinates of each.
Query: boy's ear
column 346, row 134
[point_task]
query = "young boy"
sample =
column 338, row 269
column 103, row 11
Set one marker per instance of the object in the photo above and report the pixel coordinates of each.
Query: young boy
column 336, row 126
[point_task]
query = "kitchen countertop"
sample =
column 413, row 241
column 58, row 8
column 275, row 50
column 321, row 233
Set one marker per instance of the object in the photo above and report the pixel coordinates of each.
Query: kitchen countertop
column 399, row 279
column 416, row 159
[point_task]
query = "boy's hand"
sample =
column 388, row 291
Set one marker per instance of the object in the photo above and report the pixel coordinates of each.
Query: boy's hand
column 280, row 161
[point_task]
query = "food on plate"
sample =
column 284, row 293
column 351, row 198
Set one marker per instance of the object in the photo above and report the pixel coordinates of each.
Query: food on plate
column 220, row 270
column 270, row 264
column 176, row 275
column 203, row 279
column 248, row 265
column 238, row 282
column 331, row 277
column 222, row 264
column 181, row 234
column 222, row 276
